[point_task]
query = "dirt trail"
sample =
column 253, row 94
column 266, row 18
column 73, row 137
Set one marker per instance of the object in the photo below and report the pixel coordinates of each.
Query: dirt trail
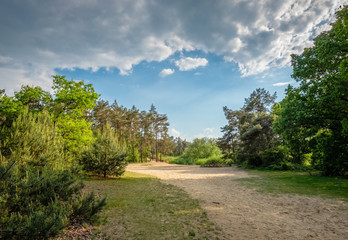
column 244, row 213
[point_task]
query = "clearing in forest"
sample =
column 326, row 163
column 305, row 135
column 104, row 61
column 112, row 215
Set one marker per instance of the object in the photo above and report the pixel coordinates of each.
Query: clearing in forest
column 244, row 213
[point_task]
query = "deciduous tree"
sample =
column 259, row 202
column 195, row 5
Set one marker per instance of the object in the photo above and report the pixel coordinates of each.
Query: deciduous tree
column 318, row 108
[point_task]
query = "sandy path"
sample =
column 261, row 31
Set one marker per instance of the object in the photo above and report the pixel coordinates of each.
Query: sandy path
column 244, row 213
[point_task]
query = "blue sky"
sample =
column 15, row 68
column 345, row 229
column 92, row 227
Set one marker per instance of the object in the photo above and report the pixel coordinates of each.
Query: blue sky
column 193, row 99
column 188, row 58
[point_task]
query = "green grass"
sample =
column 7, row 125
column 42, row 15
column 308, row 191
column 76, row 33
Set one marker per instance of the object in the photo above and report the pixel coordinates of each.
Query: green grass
column 141, row 207
column 301, row 183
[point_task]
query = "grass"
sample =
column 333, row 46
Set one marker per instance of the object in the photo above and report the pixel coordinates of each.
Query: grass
column 141, row 207
column 292, row 182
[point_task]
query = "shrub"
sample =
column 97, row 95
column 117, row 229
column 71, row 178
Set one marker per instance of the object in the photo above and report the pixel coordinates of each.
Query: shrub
column 283, row 165
column 33, row 139
column 212, row 162
column 249, row 160
column 202, row 148
column 182, row 160
column 39, row 197
column 275, row 158
column 106, row 156
column 39, row 204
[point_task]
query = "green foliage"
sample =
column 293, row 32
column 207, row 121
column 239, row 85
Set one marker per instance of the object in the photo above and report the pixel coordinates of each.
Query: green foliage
column 38, row 196
column 180, row 146
column 9, row 110
column 33, row 140
column 35, row 98
column 202, row 148
column 39, row 204
column 71, row 103
column 183, row 161
column 133, row 155
column 312, row 118
column 249, row 132
column 214, row 161
column 76, row 133
column 86, row 208
column 106, row 156
column 72, row 97
column 145, row 134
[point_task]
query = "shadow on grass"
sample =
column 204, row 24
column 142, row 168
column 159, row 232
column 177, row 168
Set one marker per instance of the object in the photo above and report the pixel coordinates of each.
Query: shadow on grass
column 292, row 182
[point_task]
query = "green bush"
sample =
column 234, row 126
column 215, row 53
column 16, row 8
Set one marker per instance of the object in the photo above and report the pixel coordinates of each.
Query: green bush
column 214, row 161
column 202, row 148
column 39, row 204
column 33, row 139
column 230, row 161
column 39, row 196
column 249, row 160
column 106, row 156
column 275, row 158
column 283, row 165
column 181, row 160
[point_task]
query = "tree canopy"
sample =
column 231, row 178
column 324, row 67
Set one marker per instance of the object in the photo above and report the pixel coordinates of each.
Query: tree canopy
column 249, row 130
column 313, row 117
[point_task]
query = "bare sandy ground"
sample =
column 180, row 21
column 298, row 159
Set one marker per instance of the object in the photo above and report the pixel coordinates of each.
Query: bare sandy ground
column 244, row 213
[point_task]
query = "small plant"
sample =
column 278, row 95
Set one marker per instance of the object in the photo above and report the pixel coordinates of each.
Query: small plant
column 106, row 156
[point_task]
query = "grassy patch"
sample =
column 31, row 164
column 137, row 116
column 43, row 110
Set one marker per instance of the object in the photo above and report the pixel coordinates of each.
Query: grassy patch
column 141, row 207
column 297, row 183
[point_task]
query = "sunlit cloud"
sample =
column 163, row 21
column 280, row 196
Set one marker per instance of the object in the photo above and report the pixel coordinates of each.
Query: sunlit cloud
column 39, row 36
column 166, row 72
column 175, row 133
column 186, row 64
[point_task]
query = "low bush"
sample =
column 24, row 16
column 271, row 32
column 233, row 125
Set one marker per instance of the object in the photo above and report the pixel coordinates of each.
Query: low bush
column 277, row 158
column 39, row 204
column 182, row 160
column 213, row 162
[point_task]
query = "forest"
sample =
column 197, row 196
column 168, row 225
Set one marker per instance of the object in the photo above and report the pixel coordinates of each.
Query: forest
column 49, row 141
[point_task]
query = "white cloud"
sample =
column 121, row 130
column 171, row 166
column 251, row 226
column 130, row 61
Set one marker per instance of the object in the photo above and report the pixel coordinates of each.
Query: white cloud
column 175, row 133
column 279, row 84
column 165, row 72
column 207, row 132
column 188, row 63
column 40, row 36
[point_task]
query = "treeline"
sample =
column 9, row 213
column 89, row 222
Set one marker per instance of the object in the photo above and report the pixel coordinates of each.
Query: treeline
column 48, row 140
column 144, row 133
column 309, row 127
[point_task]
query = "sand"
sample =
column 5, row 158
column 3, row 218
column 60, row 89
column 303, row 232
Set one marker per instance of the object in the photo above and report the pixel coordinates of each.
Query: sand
column 244, row 213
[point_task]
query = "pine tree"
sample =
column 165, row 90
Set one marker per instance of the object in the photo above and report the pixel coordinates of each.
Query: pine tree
column 106, row 156
column 38, row 197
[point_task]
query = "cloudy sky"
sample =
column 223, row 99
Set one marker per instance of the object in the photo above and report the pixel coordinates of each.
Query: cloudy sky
column 187, row 57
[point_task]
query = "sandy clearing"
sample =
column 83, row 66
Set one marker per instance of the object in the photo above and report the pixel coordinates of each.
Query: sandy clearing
column 244, row 213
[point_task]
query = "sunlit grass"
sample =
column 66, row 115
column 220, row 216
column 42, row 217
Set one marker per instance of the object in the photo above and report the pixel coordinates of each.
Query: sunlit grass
column 301, row 183
column 139, row 206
